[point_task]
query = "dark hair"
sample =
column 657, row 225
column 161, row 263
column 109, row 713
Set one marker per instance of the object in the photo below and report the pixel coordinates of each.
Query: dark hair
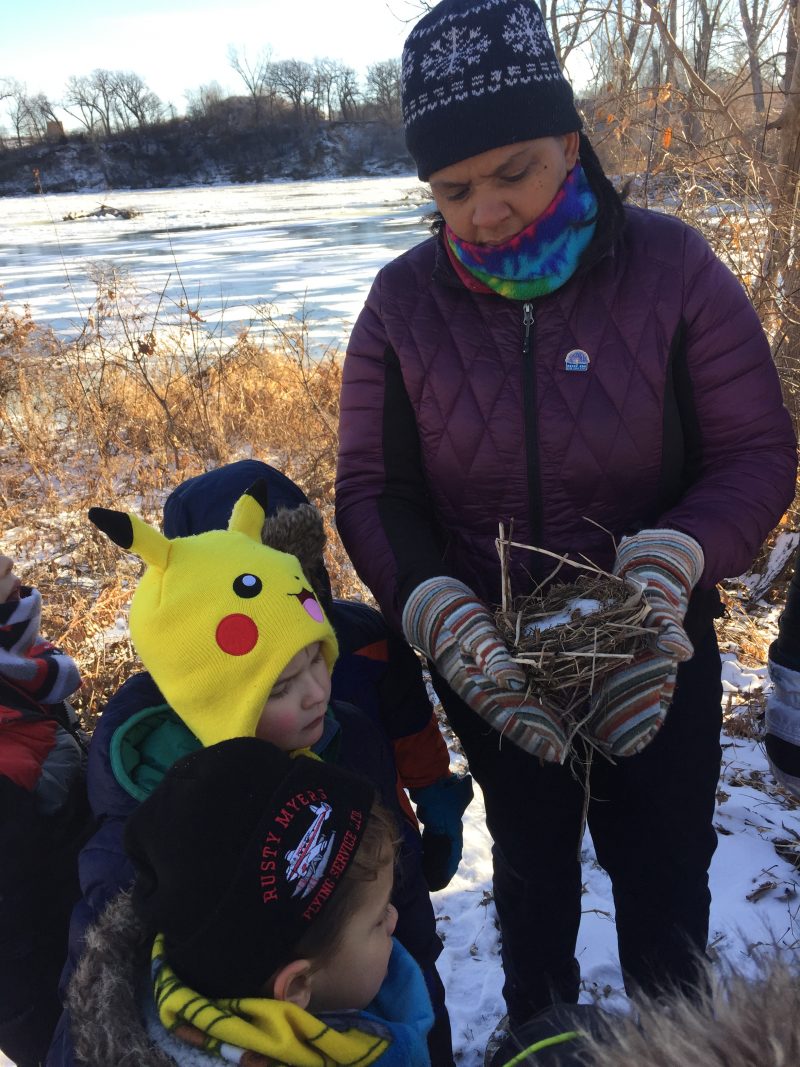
column 610, row 210
column 377, row 847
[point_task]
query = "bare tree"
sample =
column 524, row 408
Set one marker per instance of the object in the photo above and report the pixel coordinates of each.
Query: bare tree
column 135, row 101
column 103, row 86
column 81, row 102
column 336, row 88
column 29, row 113
column 383, row 90
column 347, row 92
column 202, row 102
column 754, row 15
column 294, row 81
column 325, row 75
column 786, row 261
column 791, row 45
column 571, row 24
column 18, row 111
column 257, row 75
column 43, row 116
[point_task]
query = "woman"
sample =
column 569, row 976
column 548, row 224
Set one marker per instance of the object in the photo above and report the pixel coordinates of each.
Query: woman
column 584, row 369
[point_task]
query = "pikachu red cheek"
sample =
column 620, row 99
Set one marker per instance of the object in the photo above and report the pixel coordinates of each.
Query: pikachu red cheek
column 237, row 635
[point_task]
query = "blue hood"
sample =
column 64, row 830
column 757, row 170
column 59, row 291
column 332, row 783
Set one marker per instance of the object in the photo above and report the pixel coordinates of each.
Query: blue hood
column 205, row 502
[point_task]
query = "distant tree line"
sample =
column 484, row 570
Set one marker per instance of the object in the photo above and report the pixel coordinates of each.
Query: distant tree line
column 325, row 88
column 107, row 102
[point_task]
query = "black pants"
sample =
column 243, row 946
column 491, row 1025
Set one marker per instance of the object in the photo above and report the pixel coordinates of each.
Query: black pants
column 38, row 888
column 651, row 818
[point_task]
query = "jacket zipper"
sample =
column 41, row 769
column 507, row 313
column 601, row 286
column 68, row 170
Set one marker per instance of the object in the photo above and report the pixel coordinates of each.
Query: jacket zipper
column 527, row 321
column 529, row 420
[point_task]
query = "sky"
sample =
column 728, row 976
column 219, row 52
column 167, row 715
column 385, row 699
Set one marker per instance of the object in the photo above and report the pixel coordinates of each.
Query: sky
column 177, row 45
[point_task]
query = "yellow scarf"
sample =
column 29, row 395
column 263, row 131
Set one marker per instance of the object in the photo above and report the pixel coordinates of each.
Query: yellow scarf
column 283, row 1032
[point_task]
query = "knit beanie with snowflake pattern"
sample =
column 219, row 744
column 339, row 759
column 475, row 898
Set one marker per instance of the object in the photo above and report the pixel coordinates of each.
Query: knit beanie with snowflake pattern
column 477, row 75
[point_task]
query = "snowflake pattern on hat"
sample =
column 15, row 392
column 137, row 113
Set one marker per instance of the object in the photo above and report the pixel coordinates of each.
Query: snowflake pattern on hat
column 477, row 74
column 453, row 49
column 525, row 32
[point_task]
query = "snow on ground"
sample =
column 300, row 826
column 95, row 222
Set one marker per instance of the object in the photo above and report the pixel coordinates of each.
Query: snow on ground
column 755, row 894
column 755, row 899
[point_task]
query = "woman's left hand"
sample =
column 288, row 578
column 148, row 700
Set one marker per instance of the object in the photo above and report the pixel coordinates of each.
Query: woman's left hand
column 667, row 564
column 631, row 703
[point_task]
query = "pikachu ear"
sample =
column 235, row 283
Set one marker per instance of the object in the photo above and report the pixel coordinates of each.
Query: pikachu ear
column 129, row 532
column 250, row 511
column 115, row 524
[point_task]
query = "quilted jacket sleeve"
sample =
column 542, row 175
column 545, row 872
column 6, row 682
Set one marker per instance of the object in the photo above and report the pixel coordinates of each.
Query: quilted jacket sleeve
column 748, row 450
column 383, row 513
column 378, row 672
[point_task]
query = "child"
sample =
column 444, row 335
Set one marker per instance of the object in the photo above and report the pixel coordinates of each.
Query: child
column 376, row 670
column 263, row 900
column 43, row 823
column 216, row 619
column 782, row 740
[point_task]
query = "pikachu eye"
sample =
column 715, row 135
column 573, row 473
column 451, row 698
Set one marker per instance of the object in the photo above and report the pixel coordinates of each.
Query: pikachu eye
column 247, row 585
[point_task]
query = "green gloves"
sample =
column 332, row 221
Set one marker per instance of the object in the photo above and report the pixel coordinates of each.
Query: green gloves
column 443, row 619
column 632, row 702
column 440, row 807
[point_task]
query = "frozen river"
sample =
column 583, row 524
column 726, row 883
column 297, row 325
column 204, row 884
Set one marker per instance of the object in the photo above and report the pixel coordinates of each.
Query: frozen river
column 225, row 250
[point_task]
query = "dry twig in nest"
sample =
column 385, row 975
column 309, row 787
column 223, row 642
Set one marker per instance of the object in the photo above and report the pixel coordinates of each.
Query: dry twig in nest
column 568, row 637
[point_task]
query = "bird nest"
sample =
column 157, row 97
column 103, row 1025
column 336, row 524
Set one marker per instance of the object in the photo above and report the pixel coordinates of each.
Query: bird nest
column 567, row 637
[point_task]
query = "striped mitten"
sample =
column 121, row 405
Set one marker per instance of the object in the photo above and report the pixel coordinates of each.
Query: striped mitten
column 456, row 632
column 668, row 564
column 631, row 703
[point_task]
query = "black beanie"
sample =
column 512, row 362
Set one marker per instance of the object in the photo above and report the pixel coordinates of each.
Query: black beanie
column 477, row 75
column 238, row 852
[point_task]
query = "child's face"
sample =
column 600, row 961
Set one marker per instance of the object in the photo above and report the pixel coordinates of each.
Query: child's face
column 293, row 716
column 355, row 972
column 9, row 582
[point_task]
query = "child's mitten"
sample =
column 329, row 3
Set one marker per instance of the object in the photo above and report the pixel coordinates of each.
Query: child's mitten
column 631, row 703
column 440, row 807
column 443, row 619
column 668, row 564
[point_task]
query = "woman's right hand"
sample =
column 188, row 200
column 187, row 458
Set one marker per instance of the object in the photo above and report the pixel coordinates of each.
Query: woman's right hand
column 444, row 620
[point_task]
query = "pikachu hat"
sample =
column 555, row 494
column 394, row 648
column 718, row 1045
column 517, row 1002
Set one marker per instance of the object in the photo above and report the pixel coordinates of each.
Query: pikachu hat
column 217, row 616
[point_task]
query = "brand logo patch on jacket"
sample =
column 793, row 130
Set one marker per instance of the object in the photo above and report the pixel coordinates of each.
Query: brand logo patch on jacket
column 577, row 359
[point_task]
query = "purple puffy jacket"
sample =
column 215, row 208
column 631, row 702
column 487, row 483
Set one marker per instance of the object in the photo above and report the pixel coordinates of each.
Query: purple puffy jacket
column 642, row 393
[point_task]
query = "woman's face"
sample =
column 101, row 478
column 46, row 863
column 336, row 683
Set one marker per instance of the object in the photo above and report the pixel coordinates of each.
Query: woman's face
column 489, row 198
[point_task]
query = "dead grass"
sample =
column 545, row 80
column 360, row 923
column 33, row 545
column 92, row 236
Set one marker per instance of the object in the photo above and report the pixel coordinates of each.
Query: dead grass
column 118, row 419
